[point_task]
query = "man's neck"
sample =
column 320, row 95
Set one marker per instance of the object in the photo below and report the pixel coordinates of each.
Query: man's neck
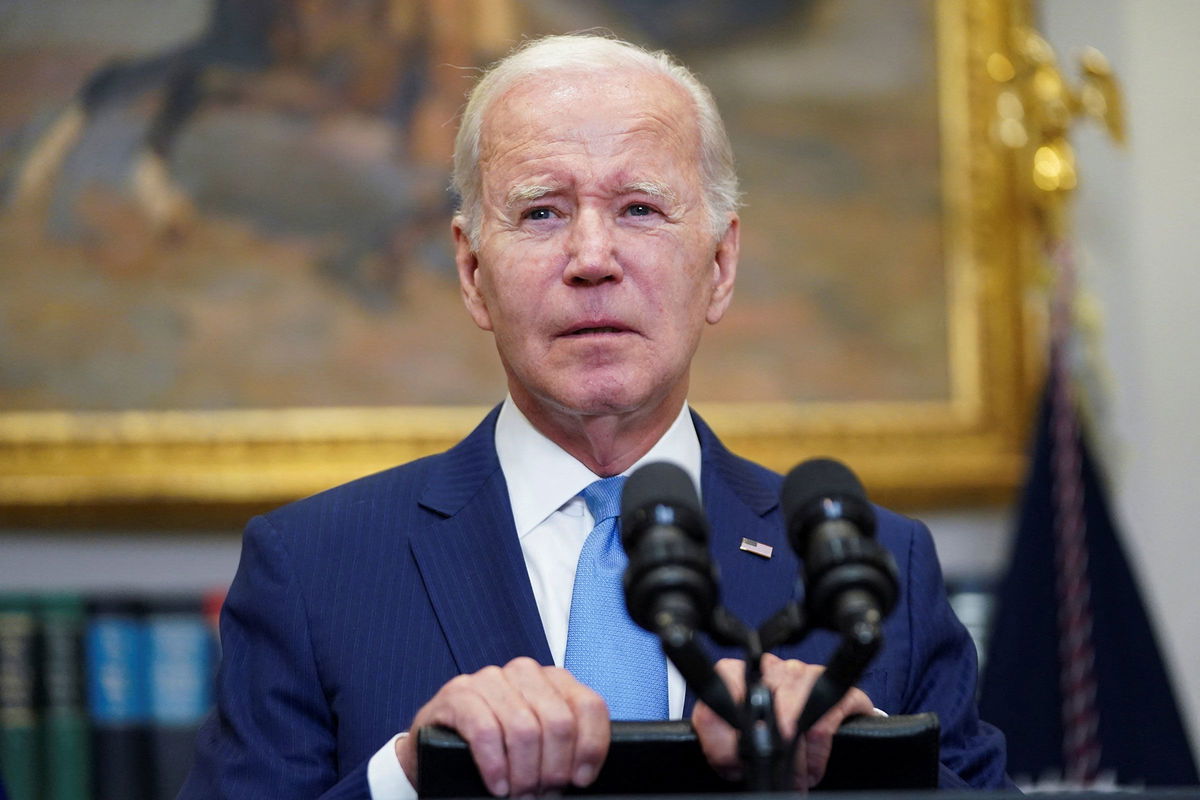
column 607, row 444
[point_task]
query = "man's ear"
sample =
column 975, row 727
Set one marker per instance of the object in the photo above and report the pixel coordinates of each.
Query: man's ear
column 724, row 272
column 468, row 274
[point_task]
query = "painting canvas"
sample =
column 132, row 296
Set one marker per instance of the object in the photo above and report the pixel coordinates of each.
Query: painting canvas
column 225, row 267
column 231, row 204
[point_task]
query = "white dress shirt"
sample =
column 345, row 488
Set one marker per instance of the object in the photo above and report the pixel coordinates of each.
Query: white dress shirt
column 552, row 522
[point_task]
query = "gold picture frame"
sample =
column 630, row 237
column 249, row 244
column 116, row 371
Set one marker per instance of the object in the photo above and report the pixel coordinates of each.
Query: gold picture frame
column 212, row 468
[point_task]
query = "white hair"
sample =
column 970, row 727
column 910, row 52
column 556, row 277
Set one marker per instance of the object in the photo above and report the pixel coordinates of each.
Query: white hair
column 576, row 52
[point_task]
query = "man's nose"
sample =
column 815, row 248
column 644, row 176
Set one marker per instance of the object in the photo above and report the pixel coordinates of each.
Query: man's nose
column 592, row 254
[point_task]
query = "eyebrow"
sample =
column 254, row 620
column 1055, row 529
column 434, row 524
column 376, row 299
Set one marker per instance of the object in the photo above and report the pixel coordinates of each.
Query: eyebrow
column 519, row 195
column 523, row 194
column 652, row 188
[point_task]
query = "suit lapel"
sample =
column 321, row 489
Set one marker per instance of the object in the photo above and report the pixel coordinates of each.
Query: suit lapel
column 742, row 501
column 471, row 559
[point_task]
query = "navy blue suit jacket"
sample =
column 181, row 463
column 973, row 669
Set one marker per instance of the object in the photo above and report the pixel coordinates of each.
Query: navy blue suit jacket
column 351, row 608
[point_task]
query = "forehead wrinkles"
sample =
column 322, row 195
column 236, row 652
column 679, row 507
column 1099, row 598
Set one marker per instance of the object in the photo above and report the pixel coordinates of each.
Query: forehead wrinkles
column 584, row 115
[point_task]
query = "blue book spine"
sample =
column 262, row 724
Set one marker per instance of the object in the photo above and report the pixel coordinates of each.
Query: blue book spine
column 181, row 653
column 118, row 701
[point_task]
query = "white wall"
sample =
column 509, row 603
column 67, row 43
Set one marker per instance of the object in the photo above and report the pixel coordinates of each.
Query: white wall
column 1139, row 222
column 115, row 561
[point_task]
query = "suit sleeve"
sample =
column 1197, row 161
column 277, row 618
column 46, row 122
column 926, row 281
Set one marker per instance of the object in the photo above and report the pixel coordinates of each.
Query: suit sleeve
column 271, row 734
column 943, row 673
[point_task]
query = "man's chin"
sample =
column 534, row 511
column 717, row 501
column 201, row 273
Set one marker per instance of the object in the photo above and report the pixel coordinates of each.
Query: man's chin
column 575, row 400
column 620, row 400
column 596, row 391
column 593, row 405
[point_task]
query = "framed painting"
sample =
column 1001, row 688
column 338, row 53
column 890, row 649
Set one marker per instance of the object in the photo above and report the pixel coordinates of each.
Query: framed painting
column 225, row 273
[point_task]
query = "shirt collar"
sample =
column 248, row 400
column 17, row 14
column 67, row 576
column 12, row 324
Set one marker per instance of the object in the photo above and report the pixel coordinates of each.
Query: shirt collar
column 542, row 477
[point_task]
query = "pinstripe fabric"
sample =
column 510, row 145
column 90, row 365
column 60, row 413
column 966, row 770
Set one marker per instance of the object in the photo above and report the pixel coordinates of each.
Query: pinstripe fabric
column 351, row 608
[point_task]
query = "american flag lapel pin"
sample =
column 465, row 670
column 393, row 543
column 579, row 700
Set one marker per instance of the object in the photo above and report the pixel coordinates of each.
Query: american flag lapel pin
column 757, row 548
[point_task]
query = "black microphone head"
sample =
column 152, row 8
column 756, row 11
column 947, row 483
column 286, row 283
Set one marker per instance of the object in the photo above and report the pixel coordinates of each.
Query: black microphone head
column 670, row 579
column 822, row 489
column 659, row 483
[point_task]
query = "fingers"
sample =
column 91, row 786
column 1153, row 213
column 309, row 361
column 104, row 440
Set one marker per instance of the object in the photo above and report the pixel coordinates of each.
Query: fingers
column 530, row 728
column 512, row 692
column 819, row 739
column 792, row 682
column 466, row 705
column 593, row 730
column 570, row 729
column 718, row 739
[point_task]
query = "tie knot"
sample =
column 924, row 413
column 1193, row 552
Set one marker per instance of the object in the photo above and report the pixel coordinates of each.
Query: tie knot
column 603, row 497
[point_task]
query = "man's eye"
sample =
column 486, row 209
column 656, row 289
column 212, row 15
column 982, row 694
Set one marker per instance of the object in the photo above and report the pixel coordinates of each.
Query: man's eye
column 539, row 213
column 639, row 210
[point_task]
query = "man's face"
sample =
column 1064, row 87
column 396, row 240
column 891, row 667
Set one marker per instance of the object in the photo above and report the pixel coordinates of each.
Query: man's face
column 597, row 266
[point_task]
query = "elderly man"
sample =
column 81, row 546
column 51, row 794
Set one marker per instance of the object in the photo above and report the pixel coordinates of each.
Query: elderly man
column 597, row 236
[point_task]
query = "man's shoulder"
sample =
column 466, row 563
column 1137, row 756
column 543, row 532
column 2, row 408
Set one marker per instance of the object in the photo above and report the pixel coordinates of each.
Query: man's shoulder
column 382, row 492
column 907, row 539
column 895, row 530
column 738, row 472
column 393, row 494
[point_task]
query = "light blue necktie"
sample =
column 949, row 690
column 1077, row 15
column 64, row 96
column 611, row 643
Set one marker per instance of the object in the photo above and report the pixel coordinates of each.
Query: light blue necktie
column 606, row 650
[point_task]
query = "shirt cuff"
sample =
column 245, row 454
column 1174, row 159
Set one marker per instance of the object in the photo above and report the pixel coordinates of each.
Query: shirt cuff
column 385, row 776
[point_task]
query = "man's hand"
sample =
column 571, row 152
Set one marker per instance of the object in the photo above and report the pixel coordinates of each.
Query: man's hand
column 790, row 682
column 531, row 728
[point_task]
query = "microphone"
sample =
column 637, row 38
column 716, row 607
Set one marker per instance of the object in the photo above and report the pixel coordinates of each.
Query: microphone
column 850, row 579
column 670, row 583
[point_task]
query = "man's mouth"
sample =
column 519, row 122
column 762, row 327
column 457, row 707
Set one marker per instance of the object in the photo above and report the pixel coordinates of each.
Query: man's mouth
column 600, row 329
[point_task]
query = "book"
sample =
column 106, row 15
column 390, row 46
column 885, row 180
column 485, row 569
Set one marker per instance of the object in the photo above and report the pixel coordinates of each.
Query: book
column 118, row 699
column 102, row 697
column 66, row 749
column 181, row 660
column 20, row 752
